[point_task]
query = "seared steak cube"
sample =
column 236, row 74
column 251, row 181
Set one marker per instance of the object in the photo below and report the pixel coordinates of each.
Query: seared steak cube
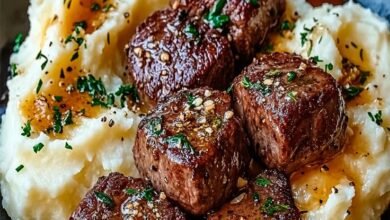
column 247, row 22
column 171, row 51
column 120, row 197
column 268, row 196
column 193, row 148
column 293, row 111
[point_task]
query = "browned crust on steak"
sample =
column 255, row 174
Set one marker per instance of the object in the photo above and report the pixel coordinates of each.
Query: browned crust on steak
column 268, row 196
column 164, row 58
column 204, row 176
column 298, row 123
column 125, row 205
column 249, row 24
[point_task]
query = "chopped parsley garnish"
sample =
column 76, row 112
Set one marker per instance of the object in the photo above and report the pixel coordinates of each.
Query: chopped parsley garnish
column 263, row 182
column 190, row 100
column 303, row 38
column 110, row 99
column 40, row 56
column 107, row 8
column 104, row 198
column 292, row 96
column 78, row 40
column 352, row 91
column 18, row 42
column 39, row 86
column 57, row 127
column 214, row 16
column 125, row 91
column 19, row 168
column 287, row 26
column 13, row 69
column 180, row 140
column 273, row 74
column 253, row 2
column 270, row 207
column 95, row 7
column 191, row 31
column 291, row 76
column 377, row 118
column 256, row 197
column 58, row 98
column 26, row 129
column 316, row 59
column 131, row 191
column 91, row 85
column 38, row 147
column 246, row 83
column 80, row 24
column 328, row 67
column 146, row 194
column 68, row 118
column 68, row 146
column 155, row 126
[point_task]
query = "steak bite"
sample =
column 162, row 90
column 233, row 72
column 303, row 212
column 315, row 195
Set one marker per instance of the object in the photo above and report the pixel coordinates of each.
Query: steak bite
column 171, row 51
column 120, row 197
column 293, row 111
column 268, row 196
column 193, row 148
column 246, row 22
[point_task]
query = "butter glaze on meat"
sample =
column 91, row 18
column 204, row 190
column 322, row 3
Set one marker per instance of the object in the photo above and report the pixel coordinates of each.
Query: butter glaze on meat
column 249, row 23
column 200, row 170
column 164, row 58
column 291, row 123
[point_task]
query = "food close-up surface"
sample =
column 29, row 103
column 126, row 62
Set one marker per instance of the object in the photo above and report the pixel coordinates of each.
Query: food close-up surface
column 195, row 109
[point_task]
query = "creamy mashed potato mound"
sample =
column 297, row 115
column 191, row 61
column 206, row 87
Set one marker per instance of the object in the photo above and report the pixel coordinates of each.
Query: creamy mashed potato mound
column 54, row 180
column 354, row 185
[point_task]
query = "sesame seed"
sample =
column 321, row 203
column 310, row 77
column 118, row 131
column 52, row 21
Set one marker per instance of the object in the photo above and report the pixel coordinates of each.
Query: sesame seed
column 209, row 130
column 162, row 196
column 138, row 51
column 209, row 105
column 198, row 101
column 164, row 57
column 268, row 82
column 207, row 93
column 228, row 115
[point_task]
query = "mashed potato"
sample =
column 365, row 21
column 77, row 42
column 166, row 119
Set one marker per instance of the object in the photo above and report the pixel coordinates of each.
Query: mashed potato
column 356, row 184
column 55, row 178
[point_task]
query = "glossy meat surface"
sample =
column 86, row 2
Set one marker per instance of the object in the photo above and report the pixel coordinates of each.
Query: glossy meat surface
column 120, row 197
column 268, row 196
column 193, row 148
column 293, row 111
column 249, row 21
column 171, row 51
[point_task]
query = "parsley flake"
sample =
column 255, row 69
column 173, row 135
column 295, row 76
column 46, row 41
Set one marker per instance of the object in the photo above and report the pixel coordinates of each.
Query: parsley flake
column 214, row 17
column 38, row 147
column 68, row 146
column 104, row 198
column 180, row 140
column 18, row 42
column 19, row 168
column 270, row 207
column 377, row 118
column 291, row 76
column 263, row 182
column 246, row 83
column 26, row 129
column 39, row 86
